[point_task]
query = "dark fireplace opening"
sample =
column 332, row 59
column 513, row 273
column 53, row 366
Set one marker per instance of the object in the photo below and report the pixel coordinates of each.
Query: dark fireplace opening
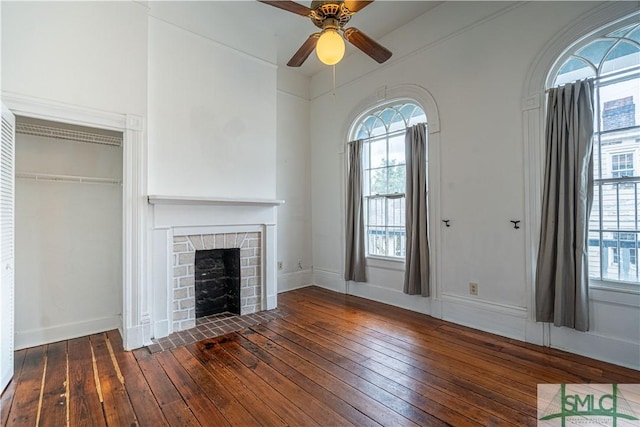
column 217, row 281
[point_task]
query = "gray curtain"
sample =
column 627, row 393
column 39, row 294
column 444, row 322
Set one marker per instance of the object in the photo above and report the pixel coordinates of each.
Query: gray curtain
column 562, row 273
column 416, row 273
column 355, row 257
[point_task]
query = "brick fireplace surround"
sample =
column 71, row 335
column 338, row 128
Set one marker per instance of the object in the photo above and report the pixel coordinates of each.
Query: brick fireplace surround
column 184, row 251
column 183, row 225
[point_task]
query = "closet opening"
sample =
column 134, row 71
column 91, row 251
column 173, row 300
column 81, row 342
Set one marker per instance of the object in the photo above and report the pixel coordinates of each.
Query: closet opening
column 68, row 231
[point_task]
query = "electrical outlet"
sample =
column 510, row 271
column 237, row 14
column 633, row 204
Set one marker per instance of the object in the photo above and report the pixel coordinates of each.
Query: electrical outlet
column 473, row 288
column 280, row 265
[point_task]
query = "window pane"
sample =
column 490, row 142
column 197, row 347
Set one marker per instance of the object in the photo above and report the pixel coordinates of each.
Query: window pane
column 379, row 181
column 610, row 257
column 378, row 150
column 396, row 212
column 609, row 207
column 376, row 242
column 620, row 141
column 407, row 110
column 624, row 55
column 594, row 254
column 618, row 105
column 635, row 34
column 396, row 150
column 397, row 179
column 376, row 211
column 595, row 51
column 596, row 158
column 369, row 122
column 594, row 219
column 362, row 133
column 379, row 128
column 396, row 244
column 417, row 117
column 398, row 122
column 572, row 70
column 627, row 205
column 366, row 183
column 387, row 114
column 621, row 32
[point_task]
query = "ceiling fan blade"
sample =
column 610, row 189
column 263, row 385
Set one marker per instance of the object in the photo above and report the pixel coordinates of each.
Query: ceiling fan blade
column 366, row 44
column 354, row 5
column 289, row 6
column 305, row 50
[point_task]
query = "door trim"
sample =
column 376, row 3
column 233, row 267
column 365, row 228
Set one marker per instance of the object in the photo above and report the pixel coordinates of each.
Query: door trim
column 136, row 319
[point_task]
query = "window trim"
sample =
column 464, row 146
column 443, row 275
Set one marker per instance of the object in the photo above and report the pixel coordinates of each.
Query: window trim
column 425, row 100
column 605, row 157
column 544, row 68
column 377, row 111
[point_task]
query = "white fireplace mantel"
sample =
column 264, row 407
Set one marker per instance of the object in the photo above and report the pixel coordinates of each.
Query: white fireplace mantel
column 185, row 215
column 222, row 201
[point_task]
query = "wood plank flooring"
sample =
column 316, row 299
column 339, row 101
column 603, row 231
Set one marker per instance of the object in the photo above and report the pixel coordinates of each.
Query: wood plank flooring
column 333, row 360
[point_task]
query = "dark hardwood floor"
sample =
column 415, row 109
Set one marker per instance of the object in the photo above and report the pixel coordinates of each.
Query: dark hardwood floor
column 334, row 360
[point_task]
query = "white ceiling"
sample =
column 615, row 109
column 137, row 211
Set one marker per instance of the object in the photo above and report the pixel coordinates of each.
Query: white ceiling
column 291, row 30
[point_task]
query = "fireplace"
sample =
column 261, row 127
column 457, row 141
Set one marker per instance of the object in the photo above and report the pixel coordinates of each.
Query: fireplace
column 185, row 272
column 217, row 281
column 184, row 225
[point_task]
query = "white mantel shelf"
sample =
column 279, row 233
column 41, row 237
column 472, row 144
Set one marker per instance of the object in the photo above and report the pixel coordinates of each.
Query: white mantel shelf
column 220, row 201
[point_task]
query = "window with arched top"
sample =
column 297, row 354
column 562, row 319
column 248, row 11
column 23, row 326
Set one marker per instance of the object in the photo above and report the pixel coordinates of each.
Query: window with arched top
column 612, row 58
column 384, row 174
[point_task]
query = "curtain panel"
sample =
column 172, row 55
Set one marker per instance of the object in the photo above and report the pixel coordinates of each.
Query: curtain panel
column 355, row 253
column 562, row 271
column 416, row 273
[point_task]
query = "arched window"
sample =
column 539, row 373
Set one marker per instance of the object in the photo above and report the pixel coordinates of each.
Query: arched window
column 383, row 132
column 612, row 58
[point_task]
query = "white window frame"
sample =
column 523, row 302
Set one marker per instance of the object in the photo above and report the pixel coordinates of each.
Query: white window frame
column 607, row 179
column 541, row 75
column 421, row 97
column 377, row 111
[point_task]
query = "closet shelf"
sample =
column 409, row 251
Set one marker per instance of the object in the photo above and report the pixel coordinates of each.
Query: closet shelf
column 67, row 178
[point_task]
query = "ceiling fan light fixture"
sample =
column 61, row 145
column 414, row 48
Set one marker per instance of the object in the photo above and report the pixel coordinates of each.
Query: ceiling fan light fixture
column 330, row 47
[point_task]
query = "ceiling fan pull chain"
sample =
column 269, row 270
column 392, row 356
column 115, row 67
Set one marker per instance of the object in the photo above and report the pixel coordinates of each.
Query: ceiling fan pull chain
column 334, row 80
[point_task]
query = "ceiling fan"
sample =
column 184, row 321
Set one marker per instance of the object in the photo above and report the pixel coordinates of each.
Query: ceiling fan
column 331, row 16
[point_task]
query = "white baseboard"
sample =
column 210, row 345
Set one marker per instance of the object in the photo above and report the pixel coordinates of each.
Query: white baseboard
column 608, row 349
column 331, row 280
column 295, row 280
column 396, row 298
column 535, row 333
column 35, row 337
column 505, row 320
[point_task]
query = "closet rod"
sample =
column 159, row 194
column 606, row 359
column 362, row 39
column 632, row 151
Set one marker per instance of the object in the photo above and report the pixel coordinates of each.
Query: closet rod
column 67, row 178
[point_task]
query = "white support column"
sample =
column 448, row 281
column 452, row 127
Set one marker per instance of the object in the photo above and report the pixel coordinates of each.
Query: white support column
column 269, row 288
column 137, row 330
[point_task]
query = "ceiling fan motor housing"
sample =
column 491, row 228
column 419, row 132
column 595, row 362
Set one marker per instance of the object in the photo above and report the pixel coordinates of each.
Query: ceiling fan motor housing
column 321, row 11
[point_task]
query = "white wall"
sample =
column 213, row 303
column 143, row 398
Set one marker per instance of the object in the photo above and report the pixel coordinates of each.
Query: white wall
column 474, row 58
column 293, row 163
column 212, row 117
column 68, row 250
column 89, row 54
